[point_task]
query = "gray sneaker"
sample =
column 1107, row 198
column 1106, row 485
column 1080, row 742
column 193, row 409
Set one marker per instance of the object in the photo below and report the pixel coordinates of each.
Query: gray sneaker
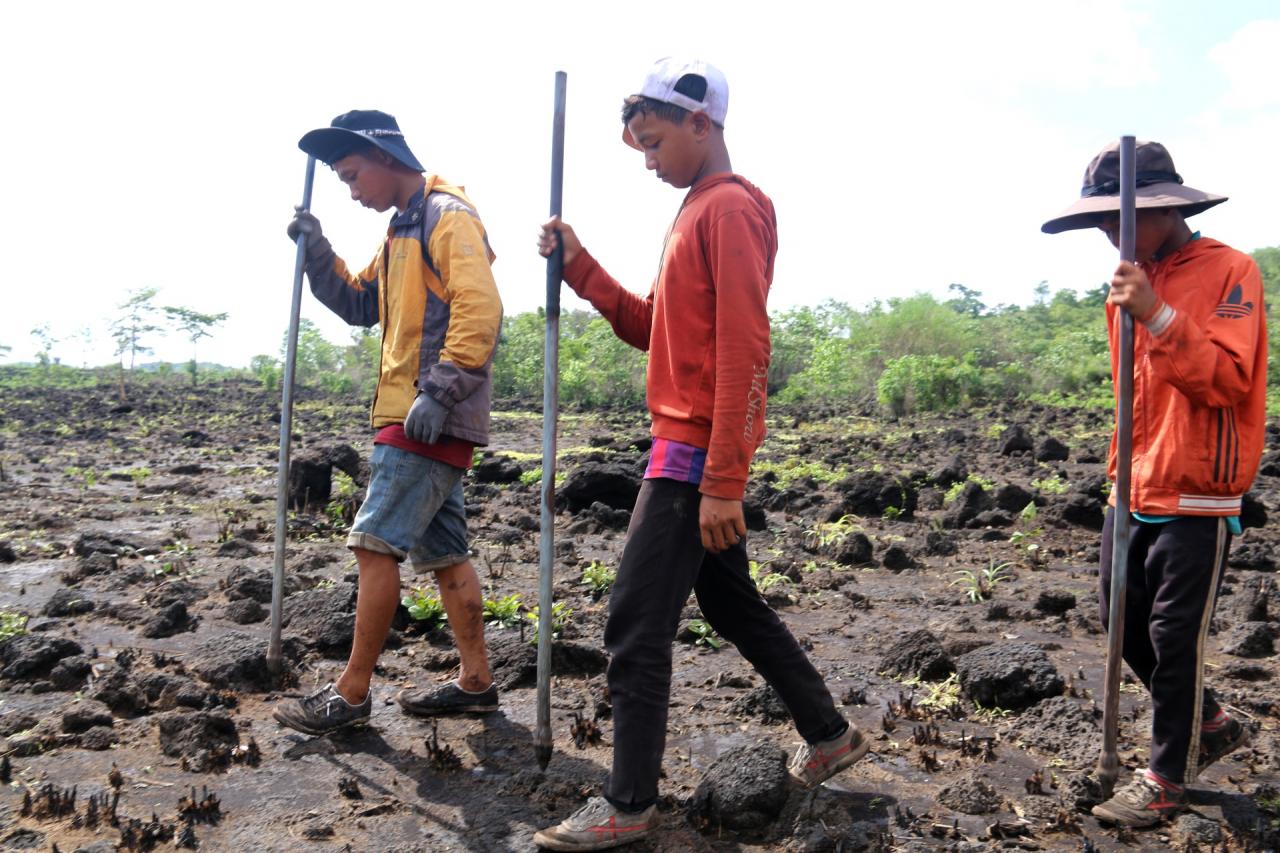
column 815, row 763
column 598, row 826
column 1141, row 803
column 448, row 698
column 322, row 711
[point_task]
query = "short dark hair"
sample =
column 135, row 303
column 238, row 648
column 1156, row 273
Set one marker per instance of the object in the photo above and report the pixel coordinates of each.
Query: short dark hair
column 639, row 105
column 365, row 149
column 691, row 85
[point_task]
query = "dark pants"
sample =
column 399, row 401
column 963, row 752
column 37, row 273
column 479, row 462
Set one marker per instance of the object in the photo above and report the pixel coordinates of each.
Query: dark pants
column 662, row 561
column 1174, row 572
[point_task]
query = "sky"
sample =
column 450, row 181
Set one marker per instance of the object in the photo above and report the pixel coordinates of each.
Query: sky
column 905, row 146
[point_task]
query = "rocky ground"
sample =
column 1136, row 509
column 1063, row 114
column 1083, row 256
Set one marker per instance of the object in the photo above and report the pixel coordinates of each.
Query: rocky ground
column 940, row 571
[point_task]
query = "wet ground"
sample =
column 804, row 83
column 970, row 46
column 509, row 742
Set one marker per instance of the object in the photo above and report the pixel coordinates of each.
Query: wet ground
column 941, row 577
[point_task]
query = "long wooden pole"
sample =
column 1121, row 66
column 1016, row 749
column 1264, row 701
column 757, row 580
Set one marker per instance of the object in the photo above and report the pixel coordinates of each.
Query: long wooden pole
column 550, row 406
column 275, row 664
column 1109, row 761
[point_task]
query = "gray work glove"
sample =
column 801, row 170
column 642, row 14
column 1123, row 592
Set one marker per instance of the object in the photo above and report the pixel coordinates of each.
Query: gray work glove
column 426, row 419
column 304, row 223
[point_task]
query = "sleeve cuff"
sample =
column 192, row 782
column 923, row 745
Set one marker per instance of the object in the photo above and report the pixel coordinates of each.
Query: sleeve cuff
column 1160, row 319
column 723, row 488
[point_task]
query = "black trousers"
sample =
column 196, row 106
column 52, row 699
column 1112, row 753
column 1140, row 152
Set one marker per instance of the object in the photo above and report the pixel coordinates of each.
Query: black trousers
column 663, row 560
column 1174, row 571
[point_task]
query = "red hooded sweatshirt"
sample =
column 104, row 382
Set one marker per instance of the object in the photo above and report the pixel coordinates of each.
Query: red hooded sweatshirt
column 704, row 324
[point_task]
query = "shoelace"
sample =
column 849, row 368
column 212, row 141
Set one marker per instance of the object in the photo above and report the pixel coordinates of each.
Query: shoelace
column 1137, row 792
column 317, row 702
column 594, row 812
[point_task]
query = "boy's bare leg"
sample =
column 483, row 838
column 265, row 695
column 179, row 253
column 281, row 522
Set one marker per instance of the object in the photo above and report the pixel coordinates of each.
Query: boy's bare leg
column 461, row 595
column 376, row 601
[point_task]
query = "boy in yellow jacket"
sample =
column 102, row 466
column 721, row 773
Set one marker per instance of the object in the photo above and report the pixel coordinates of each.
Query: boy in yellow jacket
column 431, row 290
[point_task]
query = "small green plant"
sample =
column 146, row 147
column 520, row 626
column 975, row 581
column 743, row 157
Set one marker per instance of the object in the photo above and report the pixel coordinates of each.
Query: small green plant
column 503, row 612
column 763, row 579
column 892, row 513
column 1267, row 799
column 1053, row 484
column 979, row 585
column 138, row 475
column 531, row 477
column 12, row 624
column 342, row 505
column 704, row 635
column 87, row 476
column 830, row 534
column 173, row 561
column 988, row 716
column 326, row 583
column 943, row 695
column 1029, row 512
column 599, row 578
column 561, row 614
column 425, row 606
column 795, row 468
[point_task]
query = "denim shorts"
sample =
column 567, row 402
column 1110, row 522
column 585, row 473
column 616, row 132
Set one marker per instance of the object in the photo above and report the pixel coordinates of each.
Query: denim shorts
column 413, row 510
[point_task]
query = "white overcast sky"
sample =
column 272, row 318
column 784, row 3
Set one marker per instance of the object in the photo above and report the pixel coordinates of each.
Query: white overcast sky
column 906, row 146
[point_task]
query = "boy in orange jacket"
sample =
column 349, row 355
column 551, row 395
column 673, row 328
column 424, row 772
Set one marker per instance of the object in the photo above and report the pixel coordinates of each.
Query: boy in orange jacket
column 1200, row 378
column 705, row 327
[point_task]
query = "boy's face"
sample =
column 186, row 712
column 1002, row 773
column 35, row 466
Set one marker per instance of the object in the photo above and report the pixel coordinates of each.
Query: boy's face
column 1151, row 230
column 372, row 183
column 672, row 150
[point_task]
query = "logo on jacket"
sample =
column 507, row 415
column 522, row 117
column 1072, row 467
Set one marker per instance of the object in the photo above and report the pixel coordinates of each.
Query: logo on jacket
column 1235, row 307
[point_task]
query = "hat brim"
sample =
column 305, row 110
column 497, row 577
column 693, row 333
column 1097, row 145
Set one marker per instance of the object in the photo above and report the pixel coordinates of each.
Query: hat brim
column 331, row 144
column 1087, row 212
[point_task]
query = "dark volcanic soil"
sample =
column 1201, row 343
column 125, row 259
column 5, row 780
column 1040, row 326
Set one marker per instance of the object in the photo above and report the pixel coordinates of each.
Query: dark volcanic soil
column 139, row 542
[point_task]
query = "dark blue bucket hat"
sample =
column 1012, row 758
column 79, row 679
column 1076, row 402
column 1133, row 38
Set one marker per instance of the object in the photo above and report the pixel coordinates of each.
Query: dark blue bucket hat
column 354, row 130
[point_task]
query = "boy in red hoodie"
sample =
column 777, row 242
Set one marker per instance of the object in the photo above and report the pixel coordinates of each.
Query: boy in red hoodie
column 1199, row 404
column 706, row 329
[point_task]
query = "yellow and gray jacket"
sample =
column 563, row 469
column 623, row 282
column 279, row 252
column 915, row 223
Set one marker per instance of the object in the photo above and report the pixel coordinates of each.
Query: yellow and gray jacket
column 431, row 288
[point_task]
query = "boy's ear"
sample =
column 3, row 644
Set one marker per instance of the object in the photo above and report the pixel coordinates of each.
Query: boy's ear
column 701, row 125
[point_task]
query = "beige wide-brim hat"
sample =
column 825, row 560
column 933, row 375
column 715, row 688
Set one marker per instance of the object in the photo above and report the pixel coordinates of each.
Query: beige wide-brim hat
column 1159, row 185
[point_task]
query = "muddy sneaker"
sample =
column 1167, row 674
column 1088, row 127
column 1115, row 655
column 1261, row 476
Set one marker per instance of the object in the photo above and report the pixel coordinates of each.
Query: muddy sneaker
column 815, row 763
column 1143, row 802
column 1226, row 740
column 322, row 711
column 448, row 699
column 598, row 826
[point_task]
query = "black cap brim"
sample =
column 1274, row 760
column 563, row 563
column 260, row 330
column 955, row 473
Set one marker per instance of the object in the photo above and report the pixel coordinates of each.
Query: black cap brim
column 331, row 144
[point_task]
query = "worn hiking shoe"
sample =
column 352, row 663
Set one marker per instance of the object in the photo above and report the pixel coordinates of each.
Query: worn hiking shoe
column 448, row 698
column 1226, row 740
column 322, row 711
column 1143, row 802
column 598, row 826
column 815, row 763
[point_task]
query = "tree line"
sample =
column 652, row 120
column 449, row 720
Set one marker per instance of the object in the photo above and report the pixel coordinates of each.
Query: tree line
column 903, row 354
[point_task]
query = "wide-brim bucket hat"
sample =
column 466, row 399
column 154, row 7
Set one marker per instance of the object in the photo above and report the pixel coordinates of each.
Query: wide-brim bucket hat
column 1159, row 185
column 354, row 130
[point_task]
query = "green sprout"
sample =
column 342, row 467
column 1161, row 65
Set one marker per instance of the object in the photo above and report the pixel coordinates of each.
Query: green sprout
column 502, row 612
column 705, row 635
column 599, row 578
column 561, row 614
column 12, row 624
column 425, row 606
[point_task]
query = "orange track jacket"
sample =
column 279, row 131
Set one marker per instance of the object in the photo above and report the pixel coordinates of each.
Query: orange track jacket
column 1199, row 384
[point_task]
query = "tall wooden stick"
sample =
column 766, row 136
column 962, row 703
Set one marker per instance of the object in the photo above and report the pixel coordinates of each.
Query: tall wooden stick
column 550, row 406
